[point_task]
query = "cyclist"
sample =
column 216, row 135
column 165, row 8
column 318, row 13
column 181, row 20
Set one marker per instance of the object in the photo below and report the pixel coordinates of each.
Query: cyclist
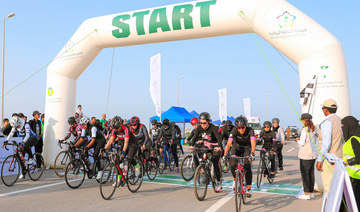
column 141, row 134
column 212, row 139
column 75, row 129
column 195, row 123
column 269, row 138
column 178, row 136
column 107, row 130
column 23, row 129
column 97, row 141
column 226, row 131
column 280, row 140
column 154, row 135
column 167, row 135
column 242, row 139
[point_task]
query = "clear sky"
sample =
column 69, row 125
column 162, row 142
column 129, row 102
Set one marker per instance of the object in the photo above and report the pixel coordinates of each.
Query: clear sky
column 41, row 28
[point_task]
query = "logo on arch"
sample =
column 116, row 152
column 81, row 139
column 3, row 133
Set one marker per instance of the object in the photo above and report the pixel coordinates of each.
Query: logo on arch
column 286, row 20
column 50, row 91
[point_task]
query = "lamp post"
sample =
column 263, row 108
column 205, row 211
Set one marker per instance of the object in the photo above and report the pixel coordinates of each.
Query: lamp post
column 2, row 78
column 182, row 77
column 268, row 94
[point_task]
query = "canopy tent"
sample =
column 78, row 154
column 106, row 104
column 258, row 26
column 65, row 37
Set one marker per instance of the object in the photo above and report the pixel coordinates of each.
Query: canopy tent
column 194, row 113
column 228, row 118
column 176, row 114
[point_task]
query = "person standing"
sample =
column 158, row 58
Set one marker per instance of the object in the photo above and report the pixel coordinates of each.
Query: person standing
column 307, row 155
column 288, row 134
column 330, row 136
column 103, row 120
column 7, row 128
column 351, row 154
column 280, row 140
column 35, row 125
column 79, row 111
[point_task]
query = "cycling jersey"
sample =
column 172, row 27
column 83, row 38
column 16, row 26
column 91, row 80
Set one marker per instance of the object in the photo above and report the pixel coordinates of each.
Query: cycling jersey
column 25, row 132
column 167, row 134
column 226, row 131
column 209, row 135
column 94, row 134
column 122, row 133
column 269, row 138
column 141, row 135
column 76, row 131
column 192, row 135
column 155, row 133
column 242, row 140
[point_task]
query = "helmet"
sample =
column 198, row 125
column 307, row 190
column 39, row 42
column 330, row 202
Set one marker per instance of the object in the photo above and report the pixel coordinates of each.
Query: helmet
column 72, row 120
column 267, row 123
column 275, row 120
column 194, row 121
column 166, row 122
column 116, row 122
column 134, row 120
column 241, row 121
column 154, row 122
column 84, row 120
column 172, row 123
column 228, row 122
column 205, row 115
column 106, row 124
column 16, row 121
column 223, row 122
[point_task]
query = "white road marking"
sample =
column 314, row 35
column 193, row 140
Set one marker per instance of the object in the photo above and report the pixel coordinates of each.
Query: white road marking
column 221, row 202
column 290, row 149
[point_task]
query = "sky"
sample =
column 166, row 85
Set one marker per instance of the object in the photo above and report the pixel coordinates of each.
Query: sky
column 41, row 28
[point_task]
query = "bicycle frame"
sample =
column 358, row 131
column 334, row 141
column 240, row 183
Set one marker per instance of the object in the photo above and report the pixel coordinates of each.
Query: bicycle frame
column 240, row 170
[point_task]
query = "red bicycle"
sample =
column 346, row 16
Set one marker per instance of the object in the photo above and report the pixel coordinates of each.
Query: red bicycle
column 240, row 183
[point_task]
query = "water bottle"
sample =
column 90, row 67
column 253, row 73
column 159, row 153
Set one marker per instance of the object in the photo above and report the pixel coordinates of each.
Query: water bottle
column 212, row 170
column 121, row 165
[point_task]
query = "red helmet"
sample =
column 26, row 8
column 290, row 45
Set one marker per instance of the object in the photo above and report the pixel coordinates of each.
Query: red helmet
column 194, row 121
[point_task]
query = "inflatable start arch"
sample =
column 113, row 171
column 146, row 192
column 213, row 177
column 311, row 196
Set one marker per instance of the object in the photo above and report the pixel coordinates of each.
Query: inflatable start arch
column 297, row 36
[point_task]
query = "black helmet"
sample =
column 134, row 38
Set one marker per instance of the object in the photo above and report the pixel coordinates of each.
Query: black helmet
column 223, row 122
column 228, row 122
column 275, row 120
column 268, row 123
column 154, row 122
column 166, row 122
column 205, row 115
column 134, row 121
column 72, row 120
column 116, row 122
column 241, row 121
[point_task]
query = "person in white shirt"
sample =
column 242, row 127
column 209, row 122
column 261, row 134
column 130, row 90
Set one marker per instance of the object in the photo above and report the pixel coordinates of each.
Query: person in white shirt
column 79, row 111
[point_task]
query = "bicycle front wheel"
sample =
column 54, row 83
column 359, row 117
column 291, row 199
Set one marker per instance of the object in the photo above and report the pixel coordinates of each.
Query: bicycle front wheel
column 103, row 162
column 60, row 163
column 187, row 168
column 108, row 181
column 238, row 192
column 162, row 163
column 10, row 170
column 152, row 169
column 37, row 168
column 200, row 183
column 75, row 173
column 260, row 173
column 134, row 176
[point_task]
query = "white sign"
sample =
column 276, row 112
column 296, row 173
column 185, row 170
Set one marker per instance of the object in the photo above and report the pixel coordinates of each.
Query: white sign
column 155, row 82
column 247, row 109
column 223, row 104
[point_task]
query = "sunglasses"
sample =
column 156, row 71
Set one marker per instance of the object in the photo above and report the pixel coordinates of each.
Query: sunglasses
column 266, row 127
column 203, row 123
column 242, row 127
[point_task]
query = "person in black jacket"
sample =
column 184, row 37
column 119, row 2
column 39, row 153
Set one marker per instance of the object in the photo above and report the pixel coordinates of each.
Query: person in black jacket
column 269, row 138
column 35, row 125
column 168, row 136
column 178, row 136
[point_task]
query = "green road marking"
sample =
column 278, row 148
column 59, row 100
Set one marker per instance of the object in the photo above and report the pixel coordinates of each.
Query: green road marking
column 283, row 189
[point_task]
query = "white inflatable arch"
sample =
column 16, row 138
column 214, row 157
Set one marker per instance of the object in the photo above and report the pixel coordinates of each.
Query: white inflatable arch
column 296, row 35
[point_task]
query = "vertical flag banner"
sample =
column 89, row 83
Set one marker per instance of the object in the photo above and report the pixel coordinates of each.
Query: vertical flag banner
column 247, row 109
column 223, row 104
column 155, row 82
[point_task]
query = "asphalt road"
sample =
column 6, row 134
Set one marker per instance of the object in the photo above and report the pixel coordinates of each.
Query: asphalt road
column 51, row 193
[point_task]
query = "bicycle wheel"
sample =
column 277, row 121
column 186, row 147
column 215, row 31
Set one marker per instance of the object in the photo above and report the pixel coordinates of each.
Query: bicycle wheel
column 75, row 173
column 162, row 163
column 108, row 181
column 260, row 173
column 60, row 163
column 276, row 165
column 224, row 166
column 268, row 168
column 238, row 191
column 171, row 162
column 152, row 169
column 35, row 171
column 200, row 183
column 187, row 168
column 243, row 194
column 103, row 162
column 134, row 176
column 10, row 170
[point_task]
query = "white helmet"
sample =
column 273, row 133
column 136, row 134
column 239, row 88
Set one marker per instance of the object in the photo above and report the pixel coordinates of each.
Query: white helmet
column 84, row 120
column 14, row 121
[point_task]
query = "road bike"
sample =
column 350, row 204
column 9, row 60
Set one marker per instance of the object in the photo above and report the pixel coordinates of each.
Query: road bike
column 151, row 166
column 10, row 169
column 187, row 166
column 264, row 168
column 166, row 159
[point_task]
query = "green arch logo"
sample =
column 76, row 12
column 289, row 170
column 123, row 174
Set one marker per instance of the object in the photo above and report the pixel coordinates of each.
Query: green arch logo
column 50, row 91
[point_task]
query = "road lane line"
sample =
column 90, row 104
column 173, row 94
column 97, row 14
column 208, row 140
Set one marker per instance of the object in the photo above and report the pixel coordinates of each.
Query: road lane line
column 290, row 149
column 221, row 202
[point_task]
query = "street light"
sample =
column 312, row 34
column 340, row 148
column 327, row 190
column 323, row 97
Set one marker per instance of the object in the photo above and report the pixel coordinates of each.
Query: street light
column 2, row 78
column 182, row 77
column 268, row 94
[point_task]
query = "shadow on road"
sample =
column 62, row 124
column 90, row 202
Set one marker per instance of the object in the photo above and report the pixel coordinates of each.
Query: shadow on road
column 270, row 203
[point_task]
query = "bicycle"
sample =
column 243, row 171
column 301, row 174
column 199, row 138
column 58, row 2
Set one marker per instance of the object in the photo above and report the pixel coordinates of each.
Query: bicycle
column 10, row 169
column 77, row 168
column 187, row 166
column 265, row 166
column 116, row 174
column 166, row 159
column 204, row 174
column 151, row 166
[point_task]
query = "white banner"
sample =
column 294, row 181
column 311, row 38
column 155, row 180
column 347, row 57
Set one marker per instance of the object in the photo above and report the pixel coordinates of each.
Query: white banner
column 223, row 104
column 155, row 82
column 247, row 109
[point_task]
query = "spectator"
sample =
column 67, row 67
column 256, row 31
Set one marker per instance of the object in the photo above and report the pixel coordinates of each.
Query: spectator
column 93, row 120
column 35, row 125
column 77, row 117
column 103, row 120
column 5, row 130
column 351, row 154
column 330, row 135
column 42, row 118
column 288, row 134
column 307, row 156
column 79, row 111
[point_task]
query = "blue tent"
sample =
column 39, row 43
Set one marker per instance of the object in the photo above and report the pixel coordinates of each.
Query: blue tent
column 194, row 113
column 228, row 118
column 176, row 114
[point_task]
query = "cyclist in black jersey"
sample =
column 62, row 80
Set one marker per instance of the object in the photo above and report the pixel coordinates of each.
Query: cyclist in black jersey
column 212, row 139
column 142, row 136
column 226, row 130
column 154, row 135
column 269, row 139
column 168, row 136
column 242, row 140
